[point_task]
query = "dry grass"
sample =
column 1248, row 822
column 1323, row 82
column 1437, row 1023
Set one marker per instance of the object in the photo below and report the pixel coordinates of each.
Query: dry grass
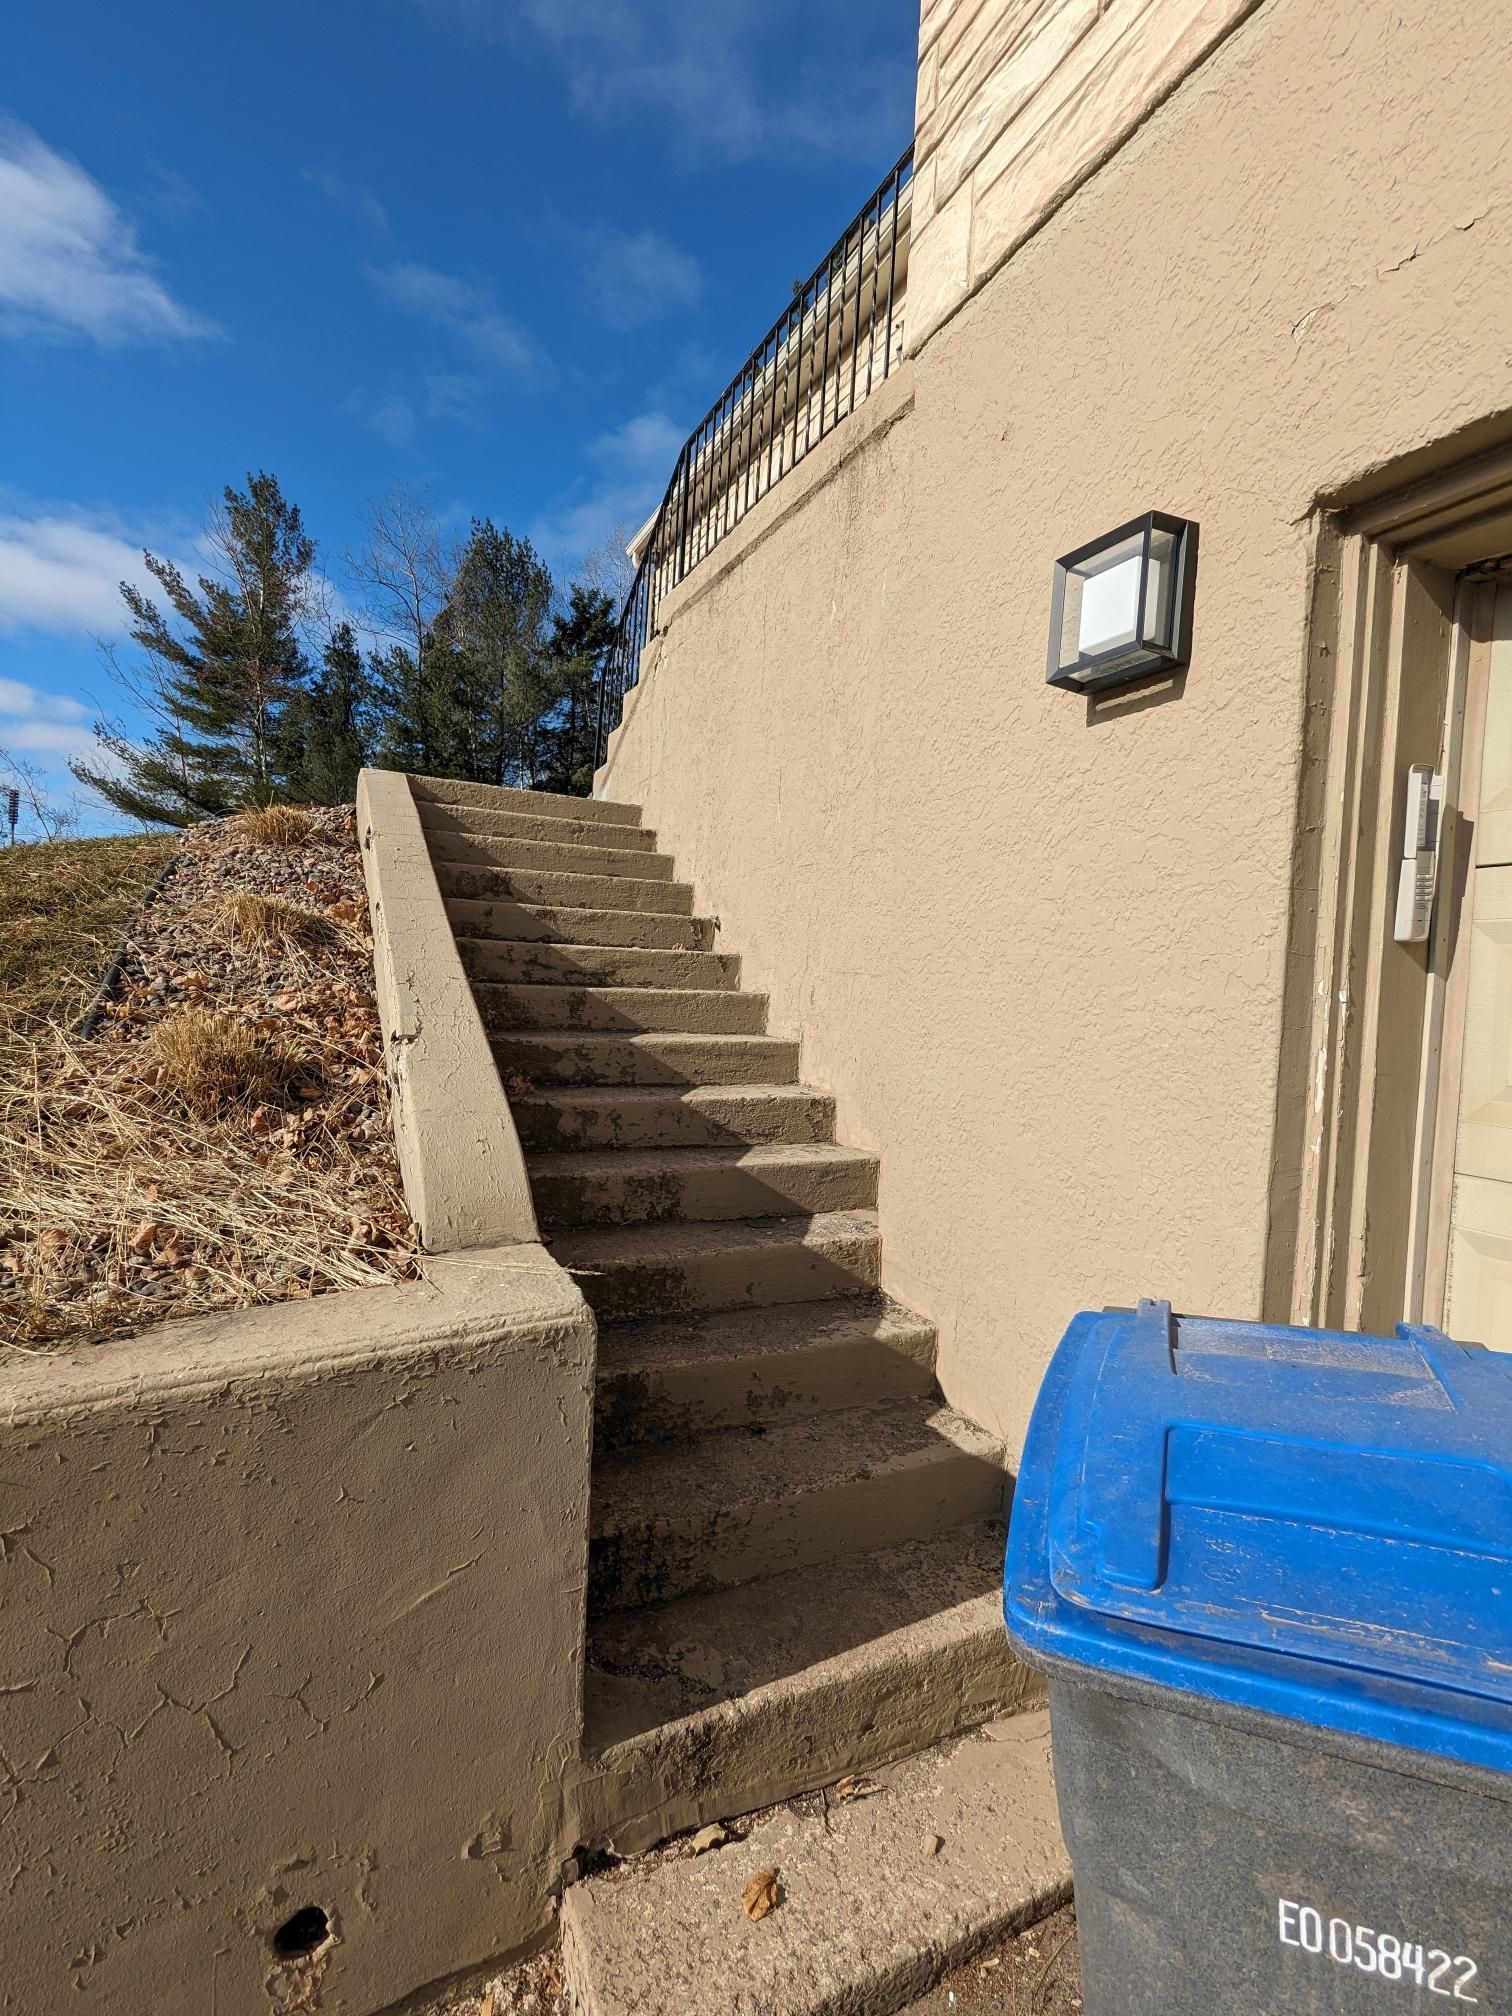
column 212, row 1062
column 135, row 1207
column 277, row 826
column 255, row 919
column 221, row 1138
column 64, row 905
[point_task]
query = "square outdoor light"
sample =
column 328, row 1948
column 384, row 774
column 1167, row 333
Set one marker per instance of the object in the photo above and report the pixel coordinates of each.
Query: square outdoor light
column 1123, row 604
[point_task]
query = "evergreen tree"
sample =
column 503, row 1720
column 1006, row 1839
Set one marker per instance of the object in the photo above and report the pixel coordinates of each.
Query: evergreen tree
column 489, row 678
column 326, row 728
column 580, row 639
column 219, row 680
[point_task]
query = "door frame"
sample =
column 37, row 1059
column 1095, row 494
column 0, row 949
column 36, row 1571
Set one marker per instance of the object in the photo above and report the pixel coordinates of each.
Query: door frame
column 1358, row 1227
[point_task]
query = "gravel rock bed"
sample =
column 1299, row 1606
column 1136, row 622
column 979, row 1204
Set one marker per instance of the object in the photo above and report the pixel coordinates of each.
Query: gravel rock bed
column 136, row 1187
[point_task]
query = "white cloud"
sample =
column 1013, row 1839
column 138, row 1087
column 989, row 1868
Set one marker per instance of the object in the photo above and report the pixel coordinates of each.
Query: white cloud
column 632, row 466
column 353, row 196
column 388, row 414
column 63, row 573
column 69, row 260
column 456, row 395
column 36, row 723
column 698, row 72
column 636, row 276
column 465, row 310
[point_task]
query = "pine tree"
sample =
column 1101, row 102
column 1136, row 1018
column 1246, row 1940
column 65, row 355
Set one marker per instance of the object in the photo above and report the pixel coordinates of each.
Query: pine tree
column 488, row 662
column 580, row 639
column 326, row 728
column 218, row 682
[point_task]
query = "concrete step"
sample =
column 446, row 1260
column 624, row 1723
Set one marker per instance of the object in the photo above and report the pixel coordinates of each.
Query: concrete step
column 451, row 791
column 710, row 1705
column 483, row 824
column 868, row 1918
column 549, row 857
column 676, row 1519
column 641, row 1186
column 566, row 1058
column 676, row 1377
column 502, row 917
column 703, row 1116
column 530, row 964
column 665, row 1270
column 683, row 1011
column 565, row 892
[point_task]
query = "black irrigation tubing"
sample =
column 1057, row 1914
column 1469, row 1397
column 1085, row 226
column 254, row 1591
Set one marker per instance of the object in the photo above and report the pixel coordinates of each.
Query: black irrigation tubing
column 89, row 1021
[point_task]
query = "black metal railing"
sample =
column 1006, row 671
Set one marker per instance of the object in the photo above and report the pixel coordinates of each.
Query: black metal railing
column 841, row 334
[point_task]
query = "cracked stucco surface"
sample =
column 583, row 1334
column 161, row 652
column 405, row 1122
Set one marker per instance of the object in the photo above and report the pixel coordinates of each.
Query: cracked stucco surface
column 292, row 1615
column 1038, row 950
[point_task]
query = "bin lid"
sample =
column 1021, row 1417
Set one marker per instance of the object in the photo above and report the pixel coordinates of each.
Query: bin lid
column 1308, row 1522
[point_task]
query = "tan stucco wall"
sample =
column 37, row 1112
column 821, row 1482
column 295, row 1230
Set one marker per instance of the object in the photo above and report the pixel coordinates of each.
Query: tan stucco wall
column 1038, row 950
column 292, row 1615
column 1018, row 101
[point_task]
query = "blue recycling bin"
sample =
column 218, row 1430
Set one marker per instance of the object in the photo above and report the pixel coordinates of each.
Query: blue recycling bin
column 1268, row 1574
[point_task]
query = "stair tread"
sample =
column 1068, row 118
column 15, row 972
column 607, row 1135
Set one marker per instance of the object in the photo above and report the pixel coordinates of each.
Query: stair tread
column 735, row 1466
column 536, row 855
column 465, row 797
column 538, row 989
column 661, row 1343
column 622, row 1162
column 534, row 962
column 647, row 1096
column 667, row 1660
column 472, row 821
column 655, row 1041
column 560, row 924
column 562, row 882
column 627, row 1244
column 646, row 1038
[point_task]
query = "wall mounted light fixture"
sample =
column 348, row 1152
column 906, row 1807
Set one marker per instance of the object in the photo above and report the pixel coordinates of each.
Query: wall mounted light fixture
column 1123, row 604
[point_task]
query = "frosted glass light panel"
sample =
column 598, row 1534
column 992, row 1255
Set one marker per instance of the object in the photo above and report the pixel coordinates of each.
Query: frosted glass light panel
column 1122, row 606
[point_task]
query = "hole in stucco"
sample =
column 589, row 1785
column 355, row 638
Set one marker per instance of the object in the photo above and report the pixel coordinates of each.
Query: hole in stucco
column 303, row 1934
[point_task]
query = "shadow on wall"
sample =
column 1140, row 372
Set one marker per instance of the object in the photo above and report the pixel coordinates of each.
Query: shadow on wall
column 1158, row 691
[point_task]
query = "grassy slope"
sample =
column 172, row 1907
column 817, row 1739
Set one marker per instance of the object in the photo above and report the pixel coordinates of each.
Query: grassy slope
column 63, row 907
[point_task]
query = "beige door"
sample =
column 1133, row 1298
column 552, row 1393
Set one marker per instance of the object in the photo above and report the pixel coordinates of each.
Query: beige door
column 1478, row 1301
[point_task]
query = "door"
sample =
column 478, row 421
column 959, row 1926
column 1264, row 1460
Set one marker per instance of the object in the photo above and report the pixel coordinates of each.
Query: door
column 1478, row 1287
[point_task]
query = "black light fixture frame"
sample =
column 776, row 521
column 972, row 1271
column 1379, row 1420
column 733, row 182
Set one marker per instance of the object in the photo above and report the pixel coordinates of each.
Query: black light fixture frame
column 1122, row 664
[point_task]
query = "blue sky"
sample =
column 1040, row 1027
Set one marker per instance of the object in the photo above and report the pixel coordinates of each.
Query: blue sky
column 502, row 251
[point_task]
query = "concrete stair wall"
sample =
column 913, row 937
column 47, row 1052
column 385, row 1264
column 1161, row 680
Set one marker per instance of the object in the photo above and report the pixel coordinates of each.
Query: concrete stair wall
column 795, row 1546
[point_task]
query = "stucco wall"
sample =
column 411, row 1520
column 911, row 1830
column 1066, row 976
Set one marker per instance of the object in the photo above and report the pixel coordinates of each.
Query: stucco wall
column 1018, row 100
column 292, row 1610
column 1037, row 948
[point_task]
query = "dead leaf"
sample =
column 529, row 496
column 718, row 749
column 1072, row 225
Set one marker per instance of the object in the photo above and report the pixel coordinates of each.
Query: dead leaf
column 712, row 1836
column 761, row 1894
column 854, row 1788
column 141, row 1240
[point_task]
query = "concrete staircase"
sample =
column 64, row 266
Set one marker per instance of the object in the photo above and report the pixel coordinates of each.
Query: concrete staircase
column 795, row 1549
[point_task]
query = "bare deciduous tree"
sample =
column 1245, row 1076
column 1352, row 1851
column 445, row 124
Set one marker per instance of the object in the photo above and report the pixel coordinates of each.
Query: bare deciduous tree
column 608, row 566
column 405, row 570
column 40, row 808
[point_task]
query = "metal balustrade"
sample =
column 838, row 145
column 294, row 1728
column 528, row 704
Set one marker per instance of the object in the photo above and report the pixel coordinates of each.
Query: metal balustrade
column 839, row 337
